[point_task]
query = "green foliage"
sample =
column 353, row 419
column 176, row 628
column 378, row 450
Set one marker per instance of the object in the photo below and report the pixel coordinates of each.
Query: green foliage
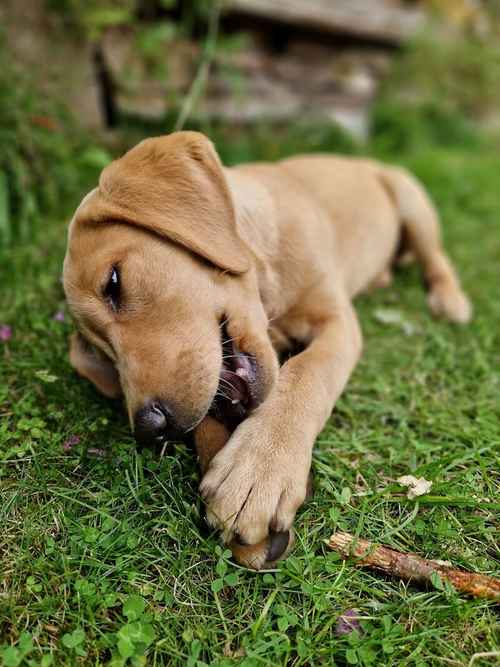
column 74, row 640
column 138, row 633
column 45, row 158
column 89, row 18
column 261, row 142
column 455, row 72
column 401, row 126
column 223, row 577
column 14, row 656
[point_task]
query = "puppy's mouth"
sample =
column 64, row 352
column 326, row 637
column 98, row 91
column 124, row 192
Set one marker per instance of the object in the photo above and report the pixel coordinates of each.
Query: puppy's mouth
column 237, row 393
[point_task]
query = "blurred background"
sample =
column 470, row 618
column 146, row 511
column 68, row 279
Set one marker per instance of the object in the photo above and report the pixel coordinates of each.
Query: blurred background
column 83, row 80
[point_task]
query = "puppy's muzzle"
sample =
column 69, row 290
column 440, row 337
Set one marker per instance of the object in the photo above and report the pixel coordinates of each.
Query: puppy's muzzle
column 155, row 424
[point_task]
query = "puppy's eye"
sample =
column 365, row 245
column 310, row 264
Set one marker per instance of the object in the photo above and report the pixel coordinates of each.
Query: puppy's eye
column 112, row 289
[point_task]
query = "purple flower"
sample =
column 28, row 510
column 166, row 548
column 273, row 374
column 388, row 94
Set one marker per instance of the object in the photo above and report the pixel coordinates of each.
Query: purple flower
column 347, row 622
column 5, row 332
column 70, row 442
column 59, row 316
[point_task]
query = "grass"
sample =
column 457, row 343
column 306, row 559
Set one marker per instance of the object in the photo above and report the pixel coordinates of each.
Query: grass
column 104, row 556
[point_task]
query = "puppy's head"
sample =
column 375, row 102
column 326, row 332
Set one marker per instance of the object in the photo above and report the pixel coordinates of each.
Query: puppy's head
column 164, row 293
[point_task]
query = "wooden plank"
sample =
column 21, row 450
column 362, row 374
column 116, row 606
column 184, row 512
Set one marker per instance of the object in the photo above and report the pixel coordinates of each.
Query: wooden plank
column 386, row 20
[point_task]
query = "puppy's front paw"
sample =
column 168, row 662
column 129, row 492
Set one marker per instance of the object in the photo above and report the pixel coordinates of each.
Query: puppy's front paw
column 265, row 554
column 256, row 483
column 273, row 548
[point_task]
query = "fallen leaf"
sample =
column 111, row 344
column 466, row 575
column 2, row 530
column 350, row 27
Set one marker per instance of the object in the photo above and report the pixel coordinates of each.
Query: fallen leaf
column 395, row 318
column 45, row 376
column 416, row 486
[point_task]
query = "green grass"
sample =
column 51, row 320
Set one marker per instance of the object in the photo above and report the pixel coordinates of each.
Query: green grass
column 108, row 555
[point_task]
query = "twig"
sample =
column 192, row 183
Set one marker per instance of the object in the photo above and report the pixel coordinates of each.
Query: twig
column 412, row 567
column 203, row 69
column 483, row 654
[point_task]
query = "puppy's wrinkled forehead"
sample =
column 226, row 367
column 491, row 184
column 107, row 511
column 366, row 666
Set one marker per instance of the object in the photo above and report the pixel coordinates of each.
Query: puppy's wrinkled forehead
column 173, row 187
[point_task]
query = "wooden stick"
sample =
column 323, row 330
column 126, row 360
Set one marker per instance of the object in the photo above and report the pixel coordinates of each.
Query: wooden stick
column 412, row 567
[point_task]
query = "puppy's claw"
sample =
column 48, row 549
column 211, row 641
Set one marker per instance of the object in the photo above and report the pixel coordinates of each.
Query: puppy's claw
column 278, row 544
column 265, row 554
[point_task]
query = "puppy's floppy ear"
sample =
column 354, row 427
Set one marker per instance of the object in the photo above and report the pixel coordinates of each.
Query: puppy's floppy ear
column 174, row 186
column 95, row 366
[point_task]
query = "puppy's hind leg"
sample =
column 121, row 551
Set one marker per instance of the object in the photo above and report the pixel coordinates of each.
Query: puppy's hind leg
column 421, row 226
column 382, row 281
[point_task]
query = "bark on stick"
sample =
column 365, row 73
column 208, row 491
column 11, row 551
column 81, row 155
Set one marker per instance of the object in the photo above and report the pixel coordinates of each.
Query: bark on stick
column 411, row 567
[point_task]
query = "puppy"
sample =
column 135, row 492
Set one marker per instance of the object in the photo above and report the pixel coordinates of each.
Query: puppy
column 187, row 280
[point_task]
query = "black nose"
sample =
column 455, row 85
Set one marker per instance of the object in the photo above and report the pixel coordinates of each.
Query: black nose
column 154, row 424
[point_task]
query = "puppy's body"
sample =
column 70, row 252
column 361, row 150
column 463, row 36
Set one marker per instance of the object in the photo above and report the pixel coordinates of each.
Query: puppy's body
column 337, row 223
column 307, row 224
column 295, row 241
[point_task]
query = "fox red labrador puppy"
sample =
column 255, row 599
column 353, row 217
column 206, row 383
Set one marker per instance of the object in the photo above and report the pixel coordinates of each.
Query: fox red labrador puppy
column 187, row 280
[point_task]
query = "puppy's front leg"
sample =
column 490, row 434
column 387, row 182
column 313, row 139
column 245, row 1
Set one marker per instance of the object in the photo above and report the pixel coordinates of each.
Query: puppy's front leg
column 256, row 483
column 210, row 437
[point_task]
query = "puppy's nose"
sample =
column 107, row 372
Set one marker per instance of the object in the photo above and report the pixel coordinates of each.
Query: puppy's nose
column 154, row 423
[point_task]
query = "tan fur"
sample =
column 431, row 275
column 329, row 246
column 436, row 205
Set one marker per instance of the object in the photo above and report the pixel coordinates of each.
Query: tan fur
column 210, row 438
column 95, row 366
column 285, row 248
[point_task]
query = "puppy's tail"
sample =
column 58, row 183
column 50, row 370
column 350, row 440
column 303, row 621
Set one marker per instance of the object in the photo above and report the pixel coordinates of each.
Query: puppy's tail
column 420, row 223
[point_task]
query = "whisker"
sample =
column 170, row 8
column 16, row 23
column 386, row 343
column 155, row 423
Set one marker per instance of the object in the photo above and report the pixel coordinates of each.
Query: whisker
column 226, row 397
column 224, row 379
column 226, row 370
column 226, row 382
column 232, row 339
column 229, row 340
column 221, row 394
